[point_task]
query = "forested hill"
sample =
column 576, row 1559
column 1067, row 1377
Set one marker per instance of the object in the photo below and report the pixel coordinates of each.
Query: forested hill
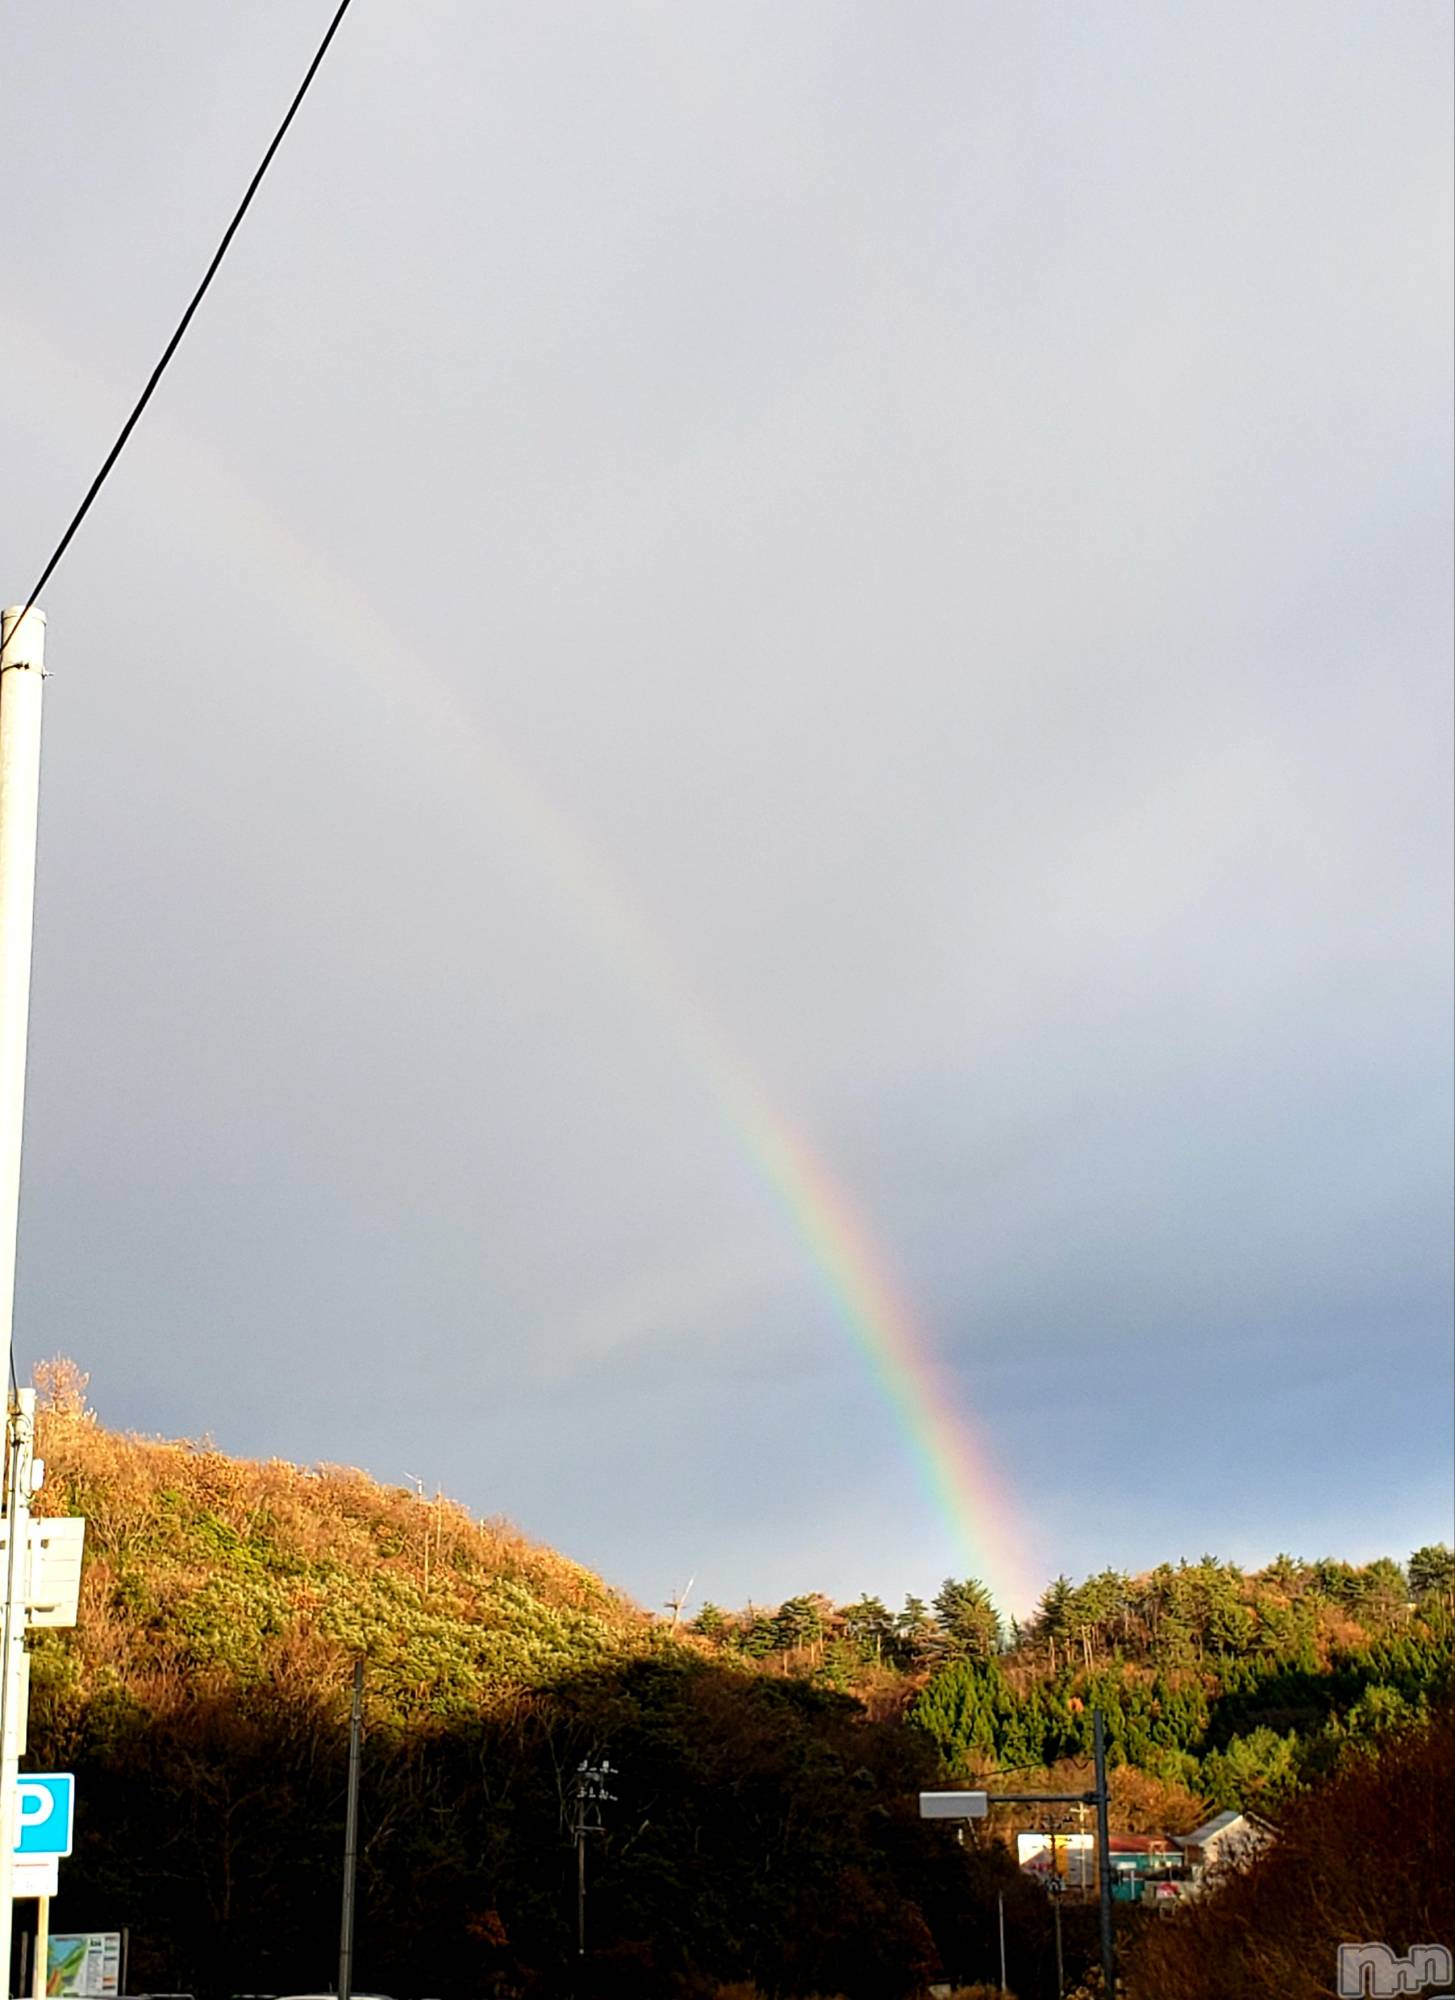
column 207, row 1570
column 763, row 1822
column 1220, row 1686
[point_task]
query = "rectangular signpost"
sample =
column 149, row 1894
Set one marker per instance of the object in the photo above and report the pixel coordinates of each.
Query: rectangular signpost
column 954, row 1805
column 45, row 1812
column 85, row 1965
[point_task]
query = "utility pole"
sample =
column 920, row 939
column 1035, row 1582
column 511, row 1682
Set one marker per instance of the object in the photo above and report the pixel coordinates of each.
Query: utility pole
column 1053, row 1822
column 22, row 674
column 14, row 1683
column 591, row 1795
column 351, row 1838
column 1102, row 1800
column 964, row 1806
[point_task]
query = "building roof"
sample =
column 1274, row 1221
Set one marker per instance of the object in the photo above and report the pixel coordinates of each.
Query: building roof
column 1201, row 1835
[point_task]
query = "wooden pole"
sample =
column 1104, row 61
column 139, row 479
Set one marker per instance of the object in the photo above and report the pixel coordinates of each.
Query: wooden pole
column 42, row 1946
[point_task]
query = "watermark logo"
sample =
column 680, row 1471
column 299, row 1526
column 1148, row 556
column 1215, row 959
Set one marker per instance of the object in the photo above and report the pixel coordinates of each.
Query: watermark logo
column 1375, row 1971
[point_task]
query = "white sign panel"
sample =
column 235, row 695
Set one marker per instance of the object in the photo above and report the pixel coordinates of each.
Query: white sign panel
column 1072, row 1857
column 84, row 1965
column 37, row 1875
column 953, row 1805
column 50, row 1582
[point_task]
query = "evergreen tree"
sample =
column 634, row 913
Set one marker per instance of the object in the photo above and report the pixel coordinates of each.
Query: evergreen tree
column 869, row 1628
column 968, row 1620
column 1432, row 1575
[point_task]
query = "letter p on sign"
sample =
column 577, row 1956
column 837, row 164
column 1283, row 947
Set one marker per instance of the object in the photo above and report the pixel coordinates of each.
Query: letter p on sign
column 45, row 1811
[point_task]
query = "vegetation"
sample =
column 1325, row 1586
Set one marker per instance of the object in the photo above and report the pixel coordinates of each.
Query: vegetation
column 764, row 1826
column 1355, row 1861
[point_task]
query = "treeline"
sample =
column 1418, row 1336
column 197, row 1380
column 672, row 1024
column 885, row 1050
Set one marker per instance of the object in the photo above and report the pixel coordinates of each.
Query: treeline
column 1175, row 1615
column 1227, row 1686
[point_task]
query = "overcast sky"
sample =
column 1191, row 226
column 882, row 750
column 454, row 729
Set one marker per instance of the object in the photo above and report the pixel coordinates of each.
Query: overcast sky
column 937, row 516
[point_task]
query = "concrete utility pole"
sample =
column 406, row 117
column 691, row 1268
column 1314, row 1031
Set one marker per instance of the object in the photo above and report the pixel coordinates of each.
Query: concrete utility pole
column 1103, row 1859
column 351, row 1838
column 591, row 1794
column 22, row 673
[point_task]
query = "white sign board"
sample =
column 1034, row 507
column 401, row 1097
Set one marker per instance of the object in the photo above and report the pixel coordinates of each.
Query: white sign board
column 84, row 1965
column 953, row 1805
column 50, row 1579
column 36, row 1875
column 1072, row 1857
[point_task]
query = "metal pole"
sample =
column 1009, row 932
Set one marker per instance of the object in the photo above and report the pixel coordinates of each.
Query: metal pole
column 1000, row 1904
column 1103, row 1857
column 20, row 1440
column 351, row 1839
column 22, row 673
column 42, row 1947
column 1060, row 1961
column 580, row 1890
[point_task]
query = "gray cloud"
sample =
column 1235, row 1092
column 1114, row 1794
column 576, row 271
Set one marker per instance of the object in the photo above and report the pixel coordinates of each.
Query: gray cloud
column 951, row 508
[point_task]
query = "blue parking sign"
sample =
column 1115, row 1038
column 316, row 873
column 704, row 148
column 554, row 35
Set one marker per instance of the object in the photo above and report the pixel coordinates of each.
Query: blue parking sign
column 45, row 1813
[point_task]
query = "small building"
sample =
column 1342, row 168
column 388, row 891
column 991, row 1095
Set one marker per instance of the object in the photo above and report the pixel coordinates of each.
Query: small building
column 1229, row 1840
column 1143, row 1864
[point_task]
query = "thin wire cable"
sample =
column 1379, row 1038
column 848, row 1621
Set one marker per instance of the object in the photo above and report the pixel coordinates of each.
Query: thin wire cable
column 186, row 320
column 161, row 368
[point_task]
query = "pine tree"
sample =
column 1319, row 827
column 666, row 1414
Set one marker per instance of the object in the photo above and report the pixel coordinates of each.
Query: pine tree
column 967, row 1619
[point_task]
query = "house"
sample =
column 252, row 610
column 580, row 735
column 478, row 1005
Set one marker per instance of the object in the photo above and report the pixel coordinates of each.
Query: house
column 1229, row 1840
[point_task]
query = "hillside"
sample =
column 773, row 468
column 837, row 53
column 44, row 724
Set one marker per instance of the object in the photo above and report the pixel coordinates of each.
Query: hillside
column 763, row 1822
column 204, row 1570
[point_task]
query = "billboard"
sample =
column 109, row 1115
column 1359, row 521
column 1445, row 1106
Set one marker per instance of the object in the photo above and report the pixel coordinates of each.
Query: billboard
column 1071, row 1856
column 84, row 1965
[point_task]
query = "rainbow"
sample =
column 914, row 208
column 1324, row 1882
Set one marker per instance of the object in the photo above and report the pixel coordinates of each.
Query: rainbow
column 954, row 1465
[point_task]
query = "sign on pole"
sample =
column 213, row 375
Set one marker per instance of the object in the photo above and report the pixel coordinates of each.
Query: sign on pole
column 954, row 1805
column 84, row 1965
column 49, row 1569
column 36, row 1875
column 45, row 1813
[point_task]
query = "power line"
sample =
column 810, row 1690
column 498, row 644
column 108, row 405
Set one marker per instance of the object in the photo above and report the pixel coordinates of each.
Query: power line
column 186, row 320
column 161, row 368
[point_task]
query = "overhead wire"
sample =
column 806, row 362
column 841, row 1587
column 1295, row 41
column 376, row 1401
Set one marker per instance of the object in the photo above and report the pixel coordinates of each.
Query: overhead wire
column 178, row 335
column 186, row 320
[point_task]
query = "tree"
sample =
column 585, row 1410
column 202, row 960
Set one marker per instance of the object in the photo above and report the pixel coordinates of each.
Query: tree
column 916, row 1631
column 968, row 1619
column 711, row 1623
column 1053, row 1617
column 800, row 1622
column 1432, row 1575
column 869, row 1628
column 1382, row 1593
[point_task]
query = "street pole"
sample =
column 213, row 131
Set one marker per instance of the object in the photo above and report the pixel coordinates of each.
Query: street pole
column 42, row 1948
column 1103, row 1858
column 580, row 1891
column 22, row 673
column 1000, row 1906
column 19, row 1451
column 351, row 1839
